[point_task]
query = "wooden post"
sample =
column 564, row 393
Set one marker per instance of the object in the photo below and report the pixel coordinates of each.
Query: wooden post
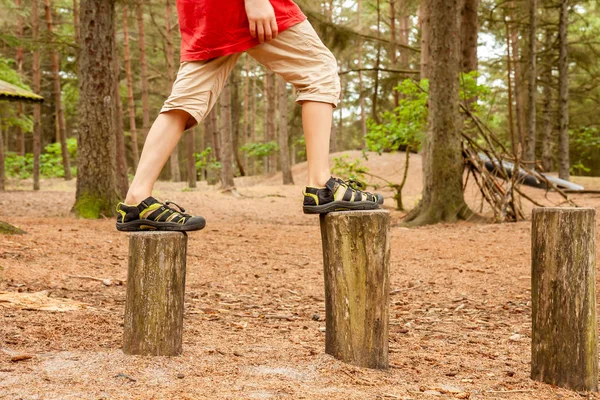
column 155, row 290
column 563, row 292
column 356, row 258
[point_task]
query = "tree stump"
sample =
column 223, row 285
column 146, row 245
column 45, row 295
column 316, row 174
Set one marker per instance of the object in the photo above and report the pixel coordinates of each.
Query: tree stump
column 356, row 258
column 563, row 292
column 155, row 291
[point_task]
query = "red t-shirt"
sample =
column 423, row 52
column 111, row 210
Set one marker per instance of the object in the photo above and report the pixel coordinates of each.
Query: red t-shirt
column 215, row 28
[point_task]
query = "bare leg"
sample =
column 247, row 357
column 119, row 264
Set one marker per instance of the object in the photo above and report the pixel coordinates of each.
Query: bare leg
column 316, row 121
column 160, row 142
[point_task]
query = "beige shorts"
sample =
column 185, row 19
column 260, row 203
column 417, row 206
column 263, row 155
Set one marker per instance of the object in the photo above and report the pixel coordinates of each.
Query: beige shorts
column 298, row 55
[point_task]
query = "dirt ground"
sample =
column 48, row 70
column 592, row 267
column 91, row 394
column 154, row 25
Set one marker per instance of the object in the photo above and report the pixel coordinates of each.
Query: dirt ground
column 460, row 305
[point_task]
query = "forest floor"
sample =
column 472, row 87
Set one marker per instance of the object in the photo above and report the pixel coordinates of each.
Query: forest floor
column 254, row 312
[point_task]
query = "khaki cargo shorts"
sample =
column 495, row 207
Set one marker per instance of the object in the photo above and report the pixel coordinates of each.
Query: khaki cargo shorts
column 297, row 54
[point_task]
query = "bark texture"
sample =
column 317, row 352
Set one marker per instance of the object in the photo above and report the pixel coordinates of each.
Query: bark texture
column 37, row 86
column 532, row 83
column 192, row 174
column 469, row 34
column 170, row 54
column 130, row 100
column 2, row 177
column 61, row 130
column 284, row 148
column 96, row 177
column 563, row 291
column 356, row 256
column 443, row 198
column 155, row 294
column 563, row 93
column 143, row 68
column 122, row 177
column 424, row 24
column 548, row 120
column 226, row 135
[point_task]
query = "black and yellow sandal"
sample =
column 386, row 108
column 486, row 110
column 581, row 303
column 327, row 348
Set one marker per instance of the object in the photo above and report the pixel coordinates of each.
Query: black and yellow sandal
column 338, row 195
column 152, row 215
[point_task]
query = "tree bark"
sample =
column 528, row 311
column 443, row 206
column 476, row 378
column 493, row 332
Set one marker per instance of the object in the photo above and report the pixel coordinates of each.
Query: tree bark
column 443, row 198
column 511, row 126
column 155, row 294
column 122, row 177
column 61, row 130
column 469, row 35
column 532, row 84
column 356, row 257
column 96, row 179
column 270, row 112
column 130, row 100
column 143, row 68
column 235, row 118
column 563, row 293
column 393, row 47
column 424, row 22
column 192, row 174
column 37, row 86
column 2, row 174
column 227, row 183
column 548, row 126
column 361, row 95
column 284, row 150
column 563, row 93
column 19, row 60
column 175, row 171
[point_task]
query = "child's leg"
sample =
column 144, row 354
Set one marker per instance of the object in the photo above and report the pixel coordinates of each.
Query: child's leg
column 194, row 94
column 316, row 121
column 160, row 143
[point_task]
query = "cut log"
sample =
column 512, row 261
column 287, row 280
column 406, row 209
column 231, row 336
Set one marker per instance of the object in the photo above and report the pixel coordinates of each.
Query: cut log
column 155, row 290
column 563, row 291
column 356, row 256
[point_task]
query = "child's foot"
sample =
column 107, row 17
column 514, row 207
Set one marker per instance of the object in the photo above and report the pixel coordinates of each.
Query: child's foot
column 152, row 215
column 338, row 195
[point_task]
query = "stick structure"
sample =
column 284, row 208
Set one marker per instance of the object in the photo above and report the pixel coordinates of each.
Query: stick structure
column 356, row 258
column 155, row 292
column 563, row 290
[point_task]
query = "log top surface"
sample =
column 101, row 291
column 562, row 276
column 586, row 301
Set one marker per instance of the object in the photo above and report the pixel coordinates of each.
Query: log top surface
column 563, row 209
column 156, row 234
column 356, row 213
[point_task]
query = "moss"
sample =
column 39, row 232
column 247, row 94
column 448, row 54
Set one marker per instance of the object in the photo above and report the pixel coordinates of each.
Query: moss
column 92, row 207
column 8, row 229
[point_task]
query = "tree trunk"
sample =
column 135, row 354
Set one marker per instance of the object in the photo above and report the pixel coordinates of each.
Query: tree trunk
column 37, row 107
column 122, row 177
column 246, row 134
column 96, row 179
column 393, row 48
column 511, row 126
column 563, row 293
column 155, row 294
column 375, row 98
column 192, row 174
column 19, row 60
column 548, row 126
column 519, row 88
column 443, row 198
column 424, row 22
column 2, row 174
column 532, row 83
column 61, row 130
column 130, row 100
column 271, row 116
column 227, row 183
column 284, row 150
column 76, row 19
column 469, row 34
column 143, row 69
column 235, row 118
column 209, row 141
column 563, row 93
column 361, row 95
column 175, row 172
column 356, row 258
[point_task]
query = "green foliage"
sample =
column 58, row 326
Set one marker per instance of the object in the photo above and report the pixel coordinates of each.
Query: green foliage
column 205, row 160
column 585, row 146
column 51, row 166
column 8, row 74
column 260, row 149
column 301, row 143
column 351, row 169
column 404, row 126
